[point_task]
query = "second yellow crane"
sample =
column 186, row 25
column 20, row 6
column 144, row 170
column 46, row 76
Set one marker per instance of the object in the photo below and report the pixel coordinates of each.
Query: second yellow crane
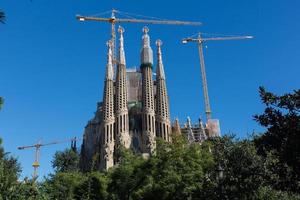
column 200, row 40
column 37, row 146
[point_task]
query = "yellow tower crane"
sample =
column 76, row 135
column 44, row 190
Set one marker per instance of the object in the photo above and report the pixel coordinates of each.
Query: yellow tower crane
column 129, row 19
column 37, row 147
column 200, row 41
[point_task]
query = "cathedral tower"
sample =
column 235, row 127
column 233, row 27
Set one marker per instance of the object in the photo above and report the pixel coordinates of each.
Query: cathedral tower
column 133, row 112
column 122, row 121
column 163, row 124
column 148, row 113
column 107, row 133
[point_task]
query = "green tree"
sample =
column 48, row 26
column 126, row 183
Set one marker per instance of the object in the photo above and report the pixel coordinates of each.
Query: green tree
column 66, row 161
column 1, row 102
column 243, row 170
column 177, row 171
column 279, row 145
column 267, row 193
column 128, row 176
column 29, row 190
column 2, row 17
column 9, row 173
column 62, row 185
column 180, row 170
column 93, row 188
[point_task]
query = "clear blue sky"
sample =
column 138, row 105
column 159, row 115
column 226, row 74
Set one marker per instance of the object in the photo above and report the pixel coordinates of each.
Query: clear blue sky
column 52, row 66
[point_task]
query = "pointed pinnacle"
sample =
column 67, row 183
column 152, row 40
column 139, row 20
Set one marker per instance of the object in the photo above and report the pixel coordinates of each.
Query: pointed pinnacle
column 121, row 30
column 145, row 30
column 109, row 66
column 160, row 72
column 146, row 52
column 146, row 39
column 109, row 54
column 158, row 43
column 121, row 46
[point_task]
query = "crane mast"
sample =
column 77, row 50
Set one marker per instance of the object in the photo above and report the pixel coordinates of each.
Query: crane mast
column 204, row 81
column 200, row 41
column 36, row 163
column 37, row 146
column 113, row 34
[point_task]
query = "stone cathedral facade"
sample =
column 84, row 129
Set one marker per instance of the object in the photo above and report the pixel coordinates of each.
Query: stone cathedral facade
column 134, row 110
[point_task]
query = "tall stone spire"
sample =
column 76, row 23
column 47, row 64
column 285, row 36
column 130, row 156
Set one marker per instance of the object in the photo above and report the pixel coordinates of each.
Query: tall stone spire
column 122, row 121
column 148, row 113
column 121, row 47
column 107, row 137
column 163, row 123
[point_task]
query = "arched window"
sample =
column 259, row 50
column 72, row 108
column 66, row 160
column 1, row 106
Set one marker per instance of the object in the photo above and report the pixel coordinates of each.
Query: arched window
column 124, row 122
column 121, row 123
column 153, row 125
column 164, row 132
column 111, row 132
column 149, row 122
column 107, row 133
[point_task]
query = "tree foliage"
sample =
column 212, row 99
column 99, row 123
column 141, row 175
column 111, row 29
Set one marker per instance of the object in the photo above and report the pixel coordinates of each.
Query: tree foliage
column 265, row 167
column 242, row 169
column 94, row 187
column 29, row 190
column 268, row 193
column 128, row 176
column 279, row 145
column 62, row 185
column 1, row 102
column 2, row 17
column 176, row 172
column 66, row 161
column 9, row 172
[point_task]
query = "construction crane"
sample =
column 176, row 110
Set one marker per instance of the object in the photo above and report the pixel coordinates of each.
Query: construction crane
column 113, row 20
column 200, row 41
column 38, row 146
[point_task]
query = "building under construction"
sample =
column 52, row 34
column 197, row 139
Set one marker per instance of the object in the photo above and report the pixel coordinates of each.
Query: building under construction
column 134, row 111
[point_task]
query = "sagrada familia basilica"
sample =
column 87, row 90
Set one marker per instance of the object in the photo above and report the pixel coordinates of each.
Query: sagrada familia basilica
column 134, row 111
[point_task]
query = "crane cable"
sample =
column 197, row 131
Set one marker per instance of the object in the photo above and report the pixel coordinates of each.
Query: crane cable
column 212, row 35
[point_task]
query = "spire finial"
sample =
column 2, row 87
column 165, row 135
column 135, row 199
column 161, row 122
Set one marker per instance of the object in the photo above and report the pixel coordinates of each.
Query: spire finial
column 109, row 67
column 145, row 30
column 158, row 43
column 109, row 54
column 109, row 44
column 121, row 46
column 146, row 38
column 146, row 52
column 121, row 30
column 160, row 73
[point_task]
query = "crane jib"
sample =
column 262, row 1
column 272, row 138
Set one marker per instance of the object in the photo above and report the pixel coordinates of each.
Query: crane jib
column 117, row 20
